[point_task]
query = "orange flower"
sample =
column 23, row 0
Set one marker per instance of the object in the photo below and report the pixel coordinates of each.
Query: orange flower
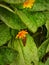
column 22, row 34
column 28, row 3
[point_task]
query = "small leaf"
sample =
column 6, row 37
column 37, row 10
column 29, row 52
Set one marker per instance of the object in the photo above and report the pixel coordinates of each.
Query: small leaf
column 42, row 49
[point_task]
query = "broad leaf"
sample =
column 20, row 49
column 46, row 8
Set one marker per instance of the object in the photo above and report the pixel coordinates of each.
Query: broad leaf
column 32, row 20
column 11, row 19
column 7, row 55
column 42, row 49
column 4, row 34
column 28, row 53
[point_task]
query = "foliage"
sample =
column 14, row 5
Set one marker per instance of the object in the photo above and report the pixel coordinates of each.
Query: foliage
column 33, row 47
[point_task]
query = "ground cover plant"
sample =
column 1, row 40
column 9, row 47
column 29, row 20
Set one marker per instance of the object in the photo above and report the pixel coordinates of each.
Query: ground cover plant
column 24, row 32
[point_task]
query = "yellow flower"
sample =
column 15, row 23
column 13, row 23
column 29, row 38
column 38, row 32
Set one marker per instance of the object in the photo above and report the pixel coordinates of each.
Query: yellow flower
column 28, row 3
column 22, row 34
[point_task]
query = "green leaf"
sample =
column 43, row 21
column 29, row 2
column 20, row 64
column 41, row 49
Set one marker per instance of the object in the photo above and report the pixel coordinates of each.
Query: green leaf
column 40, row 5
column 14, row 1
column 11, row 19
column 42, row 49
column 47, row 62
column 32, row 20
column 4, row 34
column 28, row 53
column 7, row 55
